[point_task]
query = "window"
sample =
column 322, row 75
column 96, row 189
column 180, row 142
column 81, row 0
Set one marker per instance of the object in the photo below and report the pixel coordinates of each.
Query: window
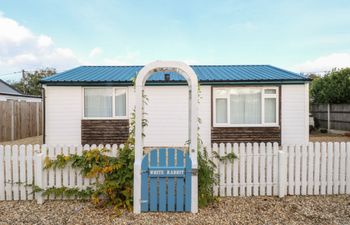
column 105, row 103
column 120, row 102
column 246, row 106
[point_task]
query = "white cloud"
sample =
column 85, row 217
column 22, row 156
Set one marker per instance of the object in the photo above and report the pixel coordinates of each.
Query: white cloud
column 325, row 63
column 131, row 58
column 22, row 49
column 44, row 41
column 95, row 52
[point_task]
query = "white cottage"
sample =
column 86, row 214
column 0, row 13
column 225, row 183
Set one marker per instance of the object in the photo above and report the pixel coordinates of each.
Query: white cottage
column 238, row 103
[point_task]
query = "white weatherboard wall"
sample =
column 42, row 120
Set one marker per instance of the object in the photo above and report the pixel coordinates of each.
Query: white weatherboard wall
column 167, row 115
column 63, row 106
column 295, row 114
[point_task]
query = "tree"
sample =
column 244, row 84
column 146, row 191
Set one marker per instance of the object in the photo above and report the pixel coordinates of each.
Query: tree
column 333, row 88
column 29, row 84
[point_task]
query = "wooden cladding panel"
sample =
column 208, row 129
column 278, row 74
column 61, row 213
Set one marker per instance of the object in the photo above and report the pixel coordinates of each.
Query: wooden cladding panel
column 245, row 134
column 104, row 131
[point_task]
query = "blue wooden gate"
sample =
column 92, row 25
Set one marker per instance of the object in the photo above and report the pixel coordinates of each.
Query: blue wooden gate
column 166, row 181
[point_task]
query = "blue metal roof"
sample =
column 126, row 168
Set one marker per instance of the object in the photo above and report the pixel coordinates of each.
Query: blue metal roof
column 205, row 73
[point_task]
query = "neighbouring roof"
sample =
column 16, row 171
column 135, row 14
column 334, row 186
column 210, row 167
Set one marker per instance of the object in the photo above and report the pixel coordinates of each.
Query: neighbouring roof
column 207, row 74
column 5, row 88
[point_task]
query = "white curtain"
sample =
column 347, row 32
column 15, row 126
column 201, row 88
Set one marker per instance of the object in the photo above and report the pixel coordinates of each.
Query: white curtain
column 98, row 102
column 270, row 110
column 221, row 110
column 120, row 103
column 245, row 106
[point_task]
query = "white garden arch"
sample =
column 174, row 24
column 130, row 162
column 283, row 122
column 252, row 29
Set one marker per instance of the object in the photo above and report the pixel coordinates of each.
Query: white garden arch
column 192, row 81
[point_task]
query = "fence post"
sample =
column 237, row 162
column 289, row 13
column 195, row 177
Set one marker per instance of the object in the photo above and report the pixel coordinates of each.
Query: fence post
column 282, row 172
column 12, row 120
column 328, row 117
column 39, row 176
column 37, row 118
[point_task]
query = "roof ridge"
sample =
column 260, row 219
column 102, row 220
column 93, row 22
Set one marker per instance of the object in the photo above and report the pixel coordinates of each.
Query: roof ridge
column 199, row 65
column 110, row 66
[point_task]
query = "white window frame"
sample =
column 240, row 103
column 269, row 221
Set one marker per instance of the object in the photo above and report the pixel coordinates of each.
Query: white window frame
column 114, row 117
column 263, row 96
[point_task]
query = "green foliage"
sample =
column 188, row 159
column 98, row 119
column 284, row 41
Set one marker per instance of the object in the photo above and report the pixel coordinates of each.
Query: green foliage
column 116, row 188
column 333, row 88
column 29, row 84
column 230, row 156
column 68, row 192
column 206, row 179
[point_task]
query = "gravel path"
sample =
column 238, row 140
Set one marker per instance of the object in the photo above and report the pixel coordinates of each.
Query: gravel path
column 230, row 210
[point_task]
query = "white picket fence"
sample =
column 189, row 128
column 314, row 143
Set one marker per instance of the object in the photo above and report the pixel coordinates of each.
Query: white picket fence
column 267, row 169
column 22, row 167
column 261, row 169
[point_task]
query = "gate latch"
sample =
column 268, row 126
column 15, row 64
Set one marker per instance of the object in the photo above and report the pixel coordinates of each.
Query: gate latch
column 195, row 172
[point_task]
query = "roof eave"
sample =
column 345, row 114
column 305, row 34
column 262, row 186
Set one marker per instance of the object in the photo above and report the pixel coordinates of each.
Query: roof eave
column 162, row 83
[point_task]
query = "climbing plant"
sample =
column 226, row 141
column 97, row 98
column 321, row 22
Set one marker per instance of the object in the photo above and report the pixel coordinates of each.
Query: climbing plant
column 116, row 187
column 207, row 178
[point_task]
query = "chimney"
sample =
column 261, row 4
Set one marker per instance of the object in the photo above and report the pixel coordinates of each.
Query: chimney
column 166, row 77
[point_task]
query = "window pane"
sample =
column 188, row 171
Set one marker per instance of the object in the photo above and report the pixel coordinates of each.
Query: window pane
column 98, row 102
column 120, row 103
column 245, row 106
column 221, row 110
column 270, row 110
column 270, row 91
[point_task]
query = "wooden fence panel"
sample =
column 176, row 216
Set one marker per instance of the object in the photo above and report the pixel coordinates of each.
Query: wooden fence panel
column 20, row 119
column 339, row 115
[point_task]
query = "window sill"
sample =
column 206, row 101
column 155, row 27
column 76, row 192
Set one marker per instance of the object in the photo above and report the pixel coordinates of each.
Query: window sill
column 105, row 118
column 246, row 125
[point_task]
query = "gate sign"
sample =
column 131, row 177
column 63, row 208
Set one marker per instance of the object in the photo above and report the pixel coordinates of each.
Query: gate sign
column 166, row 180
column 166, row 172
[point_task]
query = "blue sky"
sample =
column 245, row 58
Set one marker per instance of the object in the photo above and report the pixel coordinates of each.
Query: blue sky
column 303, row 36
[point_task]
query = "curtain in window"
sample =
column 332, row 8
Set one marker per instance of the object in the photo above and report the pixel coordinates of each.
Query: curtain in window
column 120, row 103
column 98, row 102
column 270, row 110
column 221, row 110
column 245, row 106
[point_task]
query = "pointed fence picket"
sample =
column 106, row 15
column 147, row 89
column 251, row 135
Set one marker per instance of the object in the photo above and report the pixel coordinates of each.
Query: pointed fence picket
column 270, row 169
column 260, row 169
column 22, row 167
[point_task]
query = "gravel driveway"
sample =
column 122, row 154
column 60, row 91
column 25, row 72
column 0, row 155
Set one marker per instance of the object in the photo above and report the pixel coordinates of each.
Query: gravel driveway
column 229, row 210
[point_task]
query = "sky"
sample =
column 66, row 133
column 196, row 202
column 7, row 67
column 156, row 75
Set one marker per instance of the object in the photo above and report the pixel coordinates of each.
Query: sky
column 301, row 36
